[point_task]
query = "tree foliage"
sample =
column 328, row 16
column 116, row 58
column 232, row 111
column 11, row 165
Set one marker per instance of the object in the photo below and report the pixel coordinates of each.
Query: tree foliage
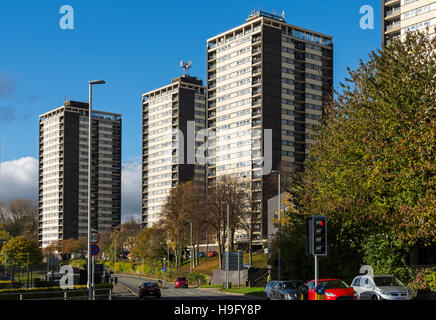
column 19, row 217
column 19, row 249
column 372, row 168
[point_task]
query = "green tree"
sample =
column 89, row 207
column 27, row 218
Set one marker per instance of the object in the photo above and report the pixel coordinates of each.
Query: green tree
column 372, row 168
column 17, row 250
column 150, row 244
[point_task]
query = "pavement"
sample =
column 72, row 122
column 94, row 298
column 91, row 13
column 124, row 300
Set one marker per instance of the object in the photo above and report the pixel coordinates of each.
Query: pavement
column 121, row 292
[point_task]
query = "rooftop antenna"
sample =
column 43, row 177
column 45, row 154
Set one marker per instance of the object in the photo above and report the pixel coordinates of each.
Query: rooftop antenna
column 185, row 66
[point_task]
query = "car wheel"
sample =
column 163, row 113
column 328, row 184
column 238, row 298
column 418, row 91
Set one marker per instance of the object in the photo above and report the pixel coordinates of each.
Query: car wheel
column 266, row 296
column 375, row 297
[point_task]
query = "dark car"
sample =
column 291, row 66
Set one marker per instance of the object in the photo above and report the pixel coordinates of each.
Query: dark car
column 181, row 282
column 286, row 290
column 149, row 289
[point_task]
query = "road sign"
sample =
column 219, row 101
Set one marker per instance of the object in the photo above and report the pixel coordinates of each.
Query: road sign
column 95, row 237
column 320, row 289
column 95, row 249
column 164, row 269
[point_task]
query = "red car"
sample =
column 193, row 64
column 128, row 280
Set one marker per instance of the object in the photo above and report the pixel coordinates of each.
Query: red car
column 181, row 282
column 211, row 253
column 335, row 289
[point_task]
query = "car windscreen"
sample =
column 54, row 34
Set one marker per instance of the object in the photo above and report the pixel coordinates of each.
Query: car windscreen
column 149, row 285
column 334, row 284
column 386, row 282
column 290, row 285
column 181, row 279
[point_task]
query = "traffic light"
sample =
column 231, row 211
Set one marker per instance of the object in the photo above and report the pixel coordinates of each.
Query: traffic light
column 319, row 235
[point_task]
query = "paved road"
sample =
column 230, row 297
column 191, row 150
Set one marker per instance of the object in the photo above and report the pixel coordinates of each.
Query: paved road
column 132, row 282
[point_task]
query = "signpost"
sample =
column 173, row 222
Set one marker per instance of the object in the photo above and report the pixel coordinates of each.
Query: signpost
column 95, row 250
column 316, row 239
column 95, row 237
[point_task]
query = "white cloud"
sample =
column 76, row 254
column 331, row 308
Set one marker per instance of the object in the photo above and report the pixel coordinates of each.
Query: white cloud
column 19, row 179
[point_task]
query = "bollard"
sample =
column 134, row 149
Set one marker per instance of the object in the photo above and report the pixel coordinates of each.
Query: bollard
column 65, row 295
column 21, row 296
column 110, row 294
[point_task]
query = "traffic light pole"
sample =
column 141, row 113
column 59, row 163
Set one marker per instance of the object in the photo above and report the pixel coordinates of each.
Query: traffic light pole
column 316, row 271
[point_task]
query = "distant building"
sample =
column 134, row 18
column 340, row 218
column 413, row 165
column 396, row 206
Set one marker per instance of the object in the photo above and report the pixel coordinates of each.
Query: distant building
column 402, row 16
column 63, row 172
column 167, row 112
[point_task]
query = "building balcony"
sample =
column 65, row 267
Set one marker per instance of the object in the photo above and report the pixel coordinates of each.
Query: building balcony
column 393, row 27
column 390, row 14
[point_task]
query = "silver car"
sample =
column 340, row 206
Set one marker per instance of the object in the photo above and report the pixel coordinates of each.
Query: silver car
column 383, row 287
column 268, row 288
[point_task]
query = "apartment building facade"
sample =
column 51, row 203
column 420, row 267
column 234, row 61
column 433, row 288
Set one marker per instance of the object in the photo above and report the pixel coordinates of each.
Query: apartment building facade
column 172, row 115
column 402, row 16
column 63, row 172
column 264, row 75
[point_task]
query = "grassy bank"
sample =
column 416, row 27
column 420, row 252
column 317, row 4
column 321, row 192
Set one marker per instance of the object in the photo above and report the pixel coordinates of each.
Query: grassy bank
column 256, row 291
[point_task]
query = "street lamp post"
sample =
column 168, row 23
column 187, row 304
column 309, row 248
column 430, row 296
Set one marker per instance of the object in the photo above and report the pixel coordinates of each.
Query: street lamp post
column 192, row 253
column 280, row 222
column 228, row 245
column 90, row 286
column 6, row 258
column 168, row 251
column 27, row 270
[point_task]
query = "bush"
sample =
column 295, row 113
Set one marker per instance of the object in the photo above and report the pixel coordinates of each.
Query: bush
column 78, row 263
column 7, row 284
column 425, row 280
column 387, row 255
column 125, row 267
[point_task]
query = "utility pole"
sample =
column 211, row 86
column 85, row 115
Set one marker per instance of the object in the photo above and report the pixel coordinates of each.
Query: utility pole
column 115, row 252
column 192, row 253
column 6, row 258
column 280, row 223
column 27, row 270
column 168, row 251
column 228, row 246
column 239, row 269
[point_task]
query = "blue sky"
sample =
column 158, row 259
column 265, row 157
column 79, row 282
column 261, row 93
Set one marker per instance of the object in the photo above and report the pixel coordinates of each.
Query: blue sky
column 135, row 46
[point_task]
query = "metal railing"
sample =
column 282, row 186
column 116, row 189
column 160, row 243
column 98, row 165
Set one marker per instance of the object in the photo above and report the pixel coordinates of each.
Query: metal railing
column 98, row 294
